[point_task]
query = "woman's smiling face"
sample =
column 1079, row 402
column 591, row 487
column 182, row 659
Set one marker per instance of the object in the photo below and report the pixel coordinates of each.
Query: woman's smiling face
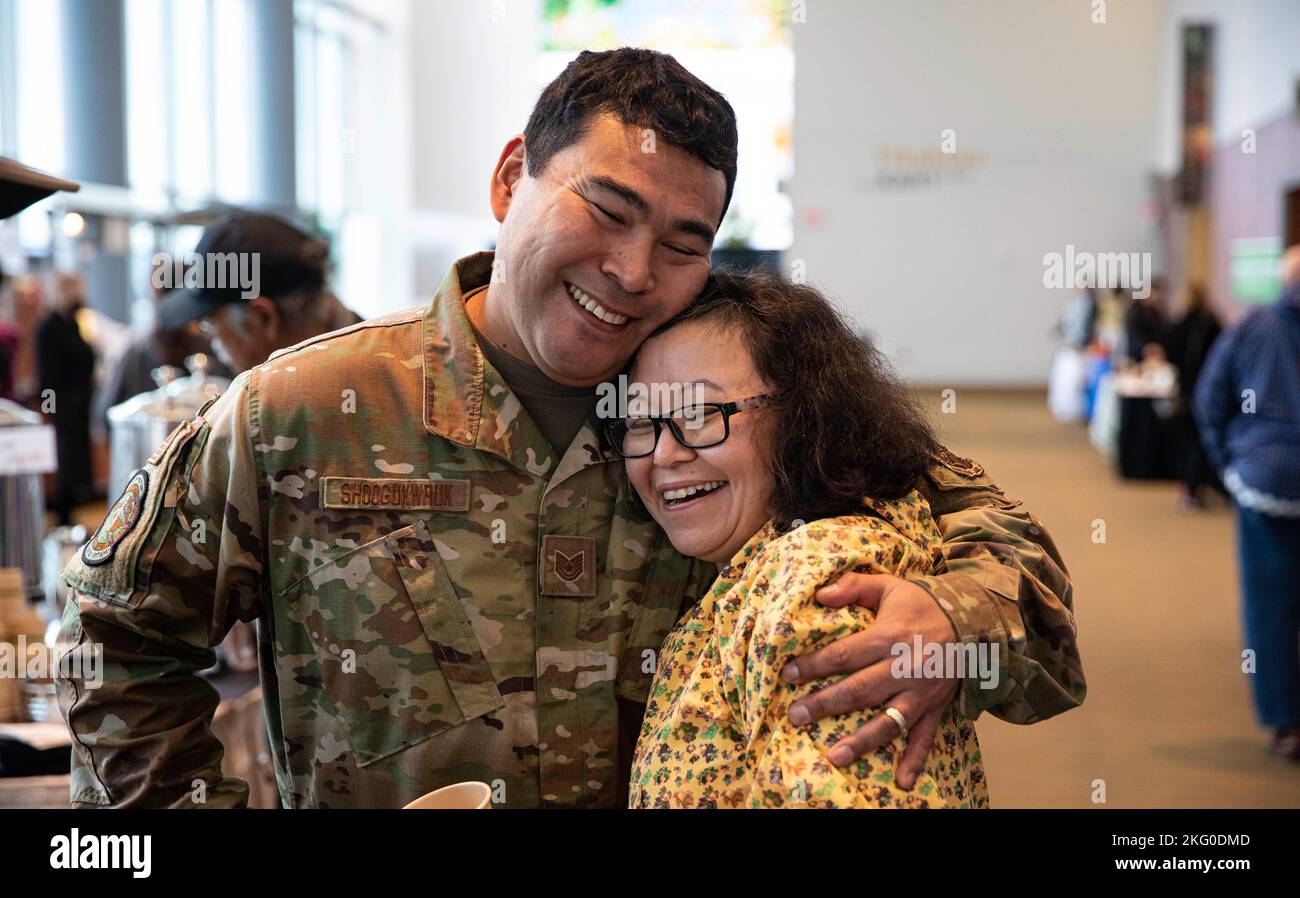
column 732, row 480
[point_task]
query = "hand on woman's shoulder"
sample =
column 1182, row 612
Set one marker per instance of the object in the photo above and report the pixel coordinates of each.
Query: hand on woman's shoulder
column 771, row 614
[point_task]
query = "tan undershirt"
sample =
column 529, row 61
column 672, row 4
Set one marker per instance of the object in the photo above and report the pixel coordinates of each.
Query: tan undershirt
column 559, row 411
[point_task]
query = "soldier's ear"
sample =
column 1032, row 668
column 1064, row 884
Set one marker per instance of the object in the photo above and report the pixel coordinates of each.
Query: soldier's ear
column 269, row 319
column 509, row 169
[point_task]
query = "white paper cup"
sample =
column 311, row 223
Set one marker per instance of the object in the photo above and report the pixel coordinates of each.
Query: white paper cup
column 461, row 796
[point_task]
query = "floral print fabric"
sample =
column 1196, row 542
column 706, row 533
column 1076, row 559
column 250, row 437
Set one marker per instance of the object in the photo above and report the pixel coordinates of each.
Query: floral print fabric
column 716, row 731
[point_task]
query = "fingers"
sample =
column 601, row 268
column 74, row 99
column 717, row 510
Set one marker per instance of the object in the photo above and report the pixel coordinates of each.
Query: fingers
column 871, row 735
column 920, row 739
column 876, row 732
column 864, row 689
column 851, row 653
column 855, row 589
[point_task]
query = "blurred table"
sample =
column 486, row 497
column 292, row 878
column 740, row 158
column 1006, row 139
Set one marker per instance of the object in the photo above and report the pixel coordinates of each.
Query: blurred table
column 1148, row 443
column 35, row 792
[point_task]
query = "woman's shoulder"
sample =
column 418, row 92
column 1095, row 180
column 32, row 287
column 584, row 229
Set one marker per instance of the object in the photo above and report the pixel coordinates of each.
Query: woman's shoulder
column 908, row 517
column 772, row 583
column 888, row 533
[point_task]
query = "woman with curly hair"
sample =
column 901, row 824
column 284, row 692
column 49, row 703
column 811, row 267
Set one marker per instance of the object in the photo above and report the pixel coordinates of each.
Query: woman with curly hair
column 796, row 461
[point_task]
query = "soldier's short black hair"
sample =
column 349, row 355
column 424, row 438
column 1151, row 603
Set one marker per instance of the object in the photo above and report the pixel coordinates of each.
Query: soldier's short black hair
column 642, row 88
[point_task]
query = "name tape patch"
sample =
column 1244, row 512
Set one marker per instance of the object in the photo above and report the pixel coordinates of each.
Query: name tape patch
column 396, row 493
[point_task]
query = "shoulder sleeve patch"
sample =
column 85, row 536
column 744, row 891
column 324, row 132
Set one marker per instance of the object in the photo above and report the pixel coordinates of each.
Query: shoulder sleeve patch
column 120, row 520
column 107, row 567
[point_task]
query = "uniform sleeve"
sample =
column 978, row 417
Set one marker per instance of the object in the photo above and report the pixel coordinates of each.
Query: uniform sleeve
column 154, row 591
column 789, row 766
column 1005, row 584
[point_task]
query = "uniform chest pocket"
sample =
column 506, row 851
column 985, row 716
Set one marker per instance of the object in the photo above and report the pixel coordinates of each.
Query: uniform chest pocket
column 398, row 659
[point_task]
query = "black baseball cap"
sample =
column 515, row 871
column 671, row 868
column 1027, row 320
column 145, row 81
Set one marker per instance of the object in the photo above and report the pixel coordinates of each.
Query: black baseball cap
column 21, row 185
column 288, row 259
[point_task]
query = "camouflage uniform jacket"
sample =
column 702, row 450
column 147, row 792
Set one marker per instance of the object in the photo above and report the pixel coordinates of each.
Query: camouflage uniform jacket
column 435, row 603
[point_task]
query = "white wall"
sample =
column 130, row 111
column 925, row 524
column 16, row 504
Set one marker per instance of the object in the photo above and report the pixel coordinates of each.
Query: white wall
column 376, row 275
column 949, row 279
column 1256, row 61
column 472, row 75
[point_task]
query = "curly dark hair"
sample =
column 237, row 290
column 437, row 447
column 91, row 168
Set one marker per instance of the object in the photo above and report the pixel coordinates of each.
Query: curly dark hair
column 639, row 87
column 844, row 426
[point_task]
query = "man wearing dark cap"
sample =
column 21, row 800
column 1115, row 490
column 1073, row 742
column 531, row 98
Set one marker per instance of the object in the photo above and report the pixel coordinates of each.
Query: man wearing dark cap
column 256, row 284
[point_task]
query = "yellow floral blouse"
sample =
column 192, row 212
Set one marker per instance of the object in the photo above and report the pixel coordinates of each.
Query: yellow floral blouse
column 716, row 731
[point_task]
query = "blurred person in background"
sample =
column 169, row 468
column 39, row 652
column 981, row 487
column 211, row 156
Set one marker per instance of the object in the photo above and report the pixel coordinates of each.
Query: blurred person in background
column 11, row 340
column 1187, row 344
column 21, row 306
column 1111, row 309
column 132, row 373
column 294, row 302
column 1248, row 409
column 1145, row 325
column 1146, row 384
column 1067, row 388
column 25, row 308
column 1078, row 323
column 66, row 367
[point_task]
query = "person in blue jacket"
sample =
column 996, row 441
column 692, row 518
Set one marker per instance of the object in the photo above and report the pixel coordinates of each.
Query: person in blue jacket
column 1247, row 407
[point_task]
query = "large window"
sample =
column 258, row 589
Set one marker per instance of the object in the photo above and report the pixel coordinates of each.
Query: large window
column 191, row 103
column 31, row 111
column 195, row 80
column 38, row 76
column 350, row 124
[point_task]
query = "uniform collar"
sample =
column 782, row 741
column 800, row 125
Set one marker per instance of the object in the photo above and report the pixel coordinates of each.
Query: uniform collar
column 467, row 402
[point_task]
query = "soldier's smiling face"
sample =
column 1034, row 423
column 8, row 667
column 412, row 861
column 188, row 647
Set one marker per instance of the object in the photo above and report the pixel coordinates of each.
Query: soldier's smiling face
column 608, row 242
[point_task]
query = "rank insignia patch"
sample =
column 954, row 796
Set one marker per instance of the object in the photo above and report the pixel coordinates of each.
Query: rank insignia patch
column 119, row 521
column 568, row 566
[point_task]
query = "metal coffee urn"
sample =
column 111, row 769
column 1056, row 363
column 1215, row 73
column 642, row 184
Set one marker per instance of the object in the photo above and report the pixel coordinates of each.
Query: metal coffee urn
column 27, row 450
column 138, row 426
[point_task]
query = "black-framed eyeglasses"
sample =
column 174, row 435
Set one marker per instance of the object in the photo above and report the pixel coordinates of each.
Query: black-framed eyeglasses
column 695, row 427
